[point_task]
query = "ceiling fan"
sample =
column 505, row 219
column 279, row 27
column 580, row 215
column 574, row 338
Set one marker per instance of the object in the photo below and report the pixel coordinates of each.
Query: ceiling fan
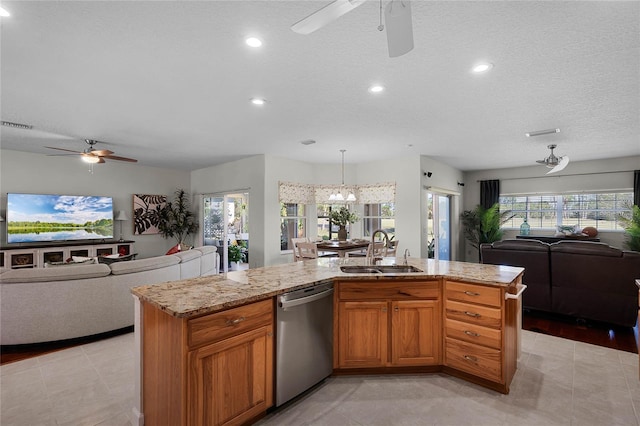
column 397, row 17
column 93, row 156
column 554, row 163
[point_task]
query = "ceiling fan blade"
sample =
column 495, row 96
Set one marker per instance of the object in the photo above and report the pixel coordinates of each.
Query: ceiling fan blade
column 327, row 14
column 100, row 152
column 541, row 161
column 397, row 19
column 62, row 149
column 564, row 161
column 115, row 157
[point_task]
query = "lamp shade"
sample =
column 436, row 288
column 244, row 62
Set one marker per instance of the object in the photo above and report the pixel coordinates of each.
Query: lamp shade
column 122, row 215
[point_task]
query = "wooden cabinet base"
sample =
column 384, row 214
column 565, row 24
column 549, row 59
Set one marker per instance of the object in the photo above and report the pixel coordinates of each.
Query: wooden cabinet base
column 498, row 387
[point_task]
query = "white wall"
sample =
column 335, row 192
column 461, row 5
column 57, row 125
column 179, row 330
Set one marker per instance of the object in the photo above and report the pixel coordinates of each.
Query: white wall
column 444, row 178
column 246, row 175
column 42, row 174
column 584, row 176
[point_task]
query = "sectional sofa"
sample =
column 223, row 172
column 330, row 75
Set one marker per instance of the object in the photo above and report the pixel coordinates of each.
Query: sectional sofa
column 64, row 302
column 587, row 280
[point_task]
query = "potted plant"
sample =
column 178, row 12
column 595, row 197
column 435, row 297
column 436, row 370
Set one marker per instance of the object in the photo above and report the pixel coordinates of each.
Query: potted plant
column 484, row 225
column 342, row 217
column 631, row 225
column 235, row 256
column 176, row 219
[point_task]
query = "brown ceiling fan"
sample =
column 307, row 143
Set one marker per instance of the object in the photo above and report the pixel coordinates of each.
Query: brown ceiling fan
column 93, row 156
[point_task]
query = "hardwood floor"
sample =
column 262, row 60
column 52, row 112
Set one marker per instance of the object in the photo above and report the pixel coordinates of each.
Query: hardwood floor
column 601, row 334
column 611, row 336
column 15, row 353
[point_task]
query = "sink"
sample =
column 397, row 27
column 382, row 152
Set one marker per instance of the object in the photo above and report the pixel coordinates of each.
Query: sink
column 380, row 269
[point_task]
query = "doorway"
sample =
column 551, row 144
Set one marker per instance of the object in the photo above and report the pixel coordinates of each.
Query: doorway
column 226, row 226
column 438, row 226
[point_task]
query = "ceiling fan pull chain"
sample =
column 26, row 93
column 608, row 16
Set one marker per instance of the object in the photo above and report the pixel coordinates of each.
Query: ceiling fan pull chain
column 380, row 27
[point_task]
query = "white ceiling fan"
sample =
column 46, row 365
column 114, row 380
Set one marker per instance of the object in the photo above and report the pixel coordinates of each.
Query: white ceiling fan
column 397, row 18
column 554, row 163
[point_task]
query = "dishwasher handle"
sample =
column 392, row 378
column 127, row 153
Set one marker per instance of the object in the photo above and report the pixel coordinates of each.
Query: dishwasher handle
column 284, row 304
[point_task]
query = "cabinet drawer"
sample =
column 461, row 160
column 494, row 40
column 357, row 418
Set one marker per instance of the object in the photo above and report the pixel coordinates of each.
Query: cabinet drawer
column 474, row 333
column 400, row 290
column 484, row 295
column 474, row 314
column 474, row 359
column 218, row 326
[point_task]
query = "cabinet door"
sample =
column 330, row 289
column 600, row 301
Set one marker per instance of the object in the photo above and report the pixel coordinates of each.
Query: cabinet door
column 362, row 334
column 231, row 381
column 415, row 332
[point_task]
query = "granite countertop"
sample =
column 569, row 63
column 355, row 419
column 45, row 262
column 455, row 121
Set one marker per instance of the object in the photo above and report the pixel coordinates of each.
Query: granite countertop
column 197, row 296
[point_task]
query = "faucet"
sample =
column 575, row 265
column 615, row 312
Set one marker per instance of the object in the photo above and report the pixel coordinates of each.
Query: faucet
column 407, row 253
column 370, row 257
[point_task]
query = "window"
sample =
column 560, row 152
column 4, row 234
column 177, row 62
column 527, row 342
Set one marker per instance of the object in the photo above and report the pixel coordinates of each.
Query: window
column 599, row 210
column 293, row 224
column 379, row 216
column 325, row 230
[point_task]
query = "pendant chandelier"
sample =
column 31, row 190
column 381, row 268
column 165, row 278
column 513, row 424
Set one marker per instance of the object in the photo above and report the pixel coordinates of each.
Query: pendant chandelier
column 339, row 197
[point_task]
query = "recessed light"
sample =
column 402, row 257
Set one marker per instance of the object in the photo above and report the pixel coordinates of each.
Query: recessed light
column 482, row 67
column 4, row 12
column 376, row 88
column 253, row 42
column 258, row 101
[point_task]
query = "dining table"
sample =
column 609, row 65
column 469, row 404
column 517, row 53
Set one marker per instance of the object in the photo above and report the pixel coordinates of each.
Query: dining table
column 342, row 247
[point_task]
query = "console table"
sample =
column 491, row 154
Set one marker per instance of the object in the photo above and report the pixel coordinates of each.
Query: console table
column 35, row 256
column 556, row 239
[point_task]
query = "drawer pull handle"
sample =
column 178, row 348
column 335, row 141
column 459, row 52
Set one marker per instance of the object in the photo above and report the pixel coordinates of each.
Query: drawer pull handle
column 471, row 293
column 471, row 333
column 471, row 358
column 472, row 314
column 235, row 321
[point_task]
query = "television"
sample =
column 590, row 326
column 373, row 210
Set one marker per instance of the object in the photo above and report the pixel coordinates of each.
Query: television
column 37, row 218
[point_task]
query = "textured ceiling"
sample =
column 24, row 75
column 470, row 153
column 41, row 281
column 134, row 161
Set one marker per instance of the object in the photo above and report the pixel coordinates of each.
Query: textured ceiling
column 169, row 82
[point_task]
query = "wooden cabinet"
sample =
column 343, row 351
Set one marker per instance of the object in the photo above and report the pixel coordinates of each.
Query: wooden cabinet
column 212, row 370
column 40, row 256
column 387, row 324
column 480, row 332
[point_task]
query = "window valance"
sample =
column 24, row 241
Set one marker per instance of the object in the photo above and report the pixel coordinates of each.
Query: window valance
column 296, row 193
column 303, row 193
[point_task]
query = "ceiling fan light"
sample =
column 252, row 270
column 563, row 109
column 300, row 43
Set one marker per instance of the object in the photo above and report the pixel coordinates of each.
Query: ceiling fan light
column 4, row 12
column 87, row 158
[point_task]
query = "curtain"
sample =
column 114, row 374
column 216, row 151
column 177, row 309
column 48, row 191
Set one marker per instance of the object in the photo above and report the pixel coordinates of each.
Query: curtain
column 636, row 187
column 489, row 192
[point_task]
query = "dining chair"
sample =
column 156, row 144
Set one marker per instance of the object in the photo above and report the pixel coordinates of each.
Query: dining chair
column 294, row 246
column 377, row 249
column 307, row 251
column 393, row 248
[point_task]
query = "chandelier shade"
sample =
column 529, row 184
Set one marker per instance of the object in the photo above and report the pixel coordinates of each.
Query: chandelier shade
column 338, row 197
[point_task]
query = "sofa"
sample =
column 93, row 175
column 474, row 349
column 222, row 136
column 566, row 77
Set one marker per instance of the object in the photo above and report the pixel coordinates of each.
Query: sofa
column 64, row 302
column 586, row 280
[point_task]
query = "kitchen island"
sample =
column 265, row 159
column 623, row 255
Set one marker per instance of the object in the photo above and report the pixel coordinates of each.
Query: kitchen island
column 206, row 351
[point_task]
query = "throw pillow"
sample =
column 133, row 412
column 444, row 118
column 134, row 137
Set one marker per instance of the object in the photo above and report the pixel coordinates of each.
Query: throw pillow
column 174, row 249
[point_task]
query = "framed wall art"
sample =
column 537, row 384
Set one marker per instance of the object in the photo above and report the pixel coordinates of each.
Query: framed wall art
column 146, row 213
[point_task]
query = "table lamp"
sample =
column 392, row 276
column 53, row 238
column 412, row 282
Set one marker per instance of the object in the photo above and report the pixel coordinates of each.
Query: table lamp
column 121, row 217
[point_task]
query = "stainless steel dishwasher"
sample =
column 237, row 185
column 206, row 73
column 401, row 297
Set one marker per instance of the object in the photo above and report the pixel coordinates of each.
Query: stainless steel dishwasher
column 304, row 340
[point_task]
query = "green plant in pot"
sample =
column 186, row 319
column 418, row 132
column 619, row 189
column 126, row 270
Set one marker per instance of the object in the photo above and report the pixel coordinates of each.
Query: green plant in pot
column 483, row 225
column 176, row 218
column 342, row 217
column 235, row 254
column 631, row 225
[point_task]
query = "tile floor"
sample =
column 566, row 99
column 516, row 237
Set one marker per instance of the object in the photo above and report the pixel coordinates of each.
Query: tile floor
column 559, row 382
